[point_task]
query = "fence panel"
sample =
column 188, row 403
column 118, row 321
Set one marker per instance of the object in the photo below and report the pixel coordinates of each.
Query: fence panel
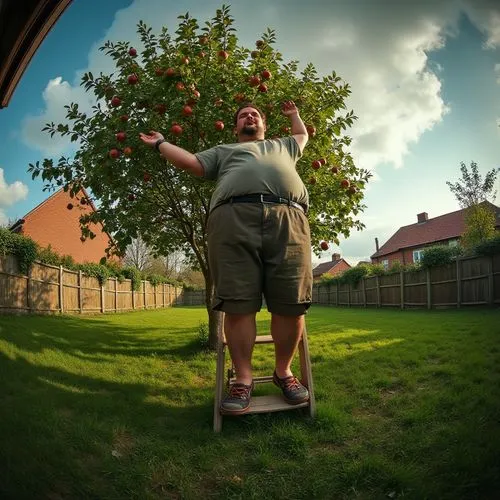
column 390, row 290
column 415, row 289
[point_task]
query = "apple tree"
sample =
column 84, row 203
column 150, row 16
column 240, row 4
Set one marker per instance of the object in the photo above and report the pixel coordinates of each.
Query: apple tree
column 188, row 84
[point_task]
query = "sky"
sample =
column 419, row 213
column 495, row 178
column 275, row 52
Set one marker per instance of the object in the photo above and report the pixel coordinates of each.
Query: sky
column 424, row 74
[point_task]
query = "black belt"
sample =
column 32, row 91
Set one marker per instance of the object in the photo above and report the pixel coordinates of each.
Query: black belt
column 264, row 198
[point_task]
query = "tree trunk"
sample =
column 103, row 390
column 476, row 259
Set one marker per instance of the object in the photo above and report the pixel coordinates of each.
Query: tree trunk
column 215, row 318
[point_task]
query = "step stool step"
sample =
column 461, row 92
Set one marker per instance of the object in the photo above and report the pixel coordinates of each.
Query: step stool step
column 272, row 402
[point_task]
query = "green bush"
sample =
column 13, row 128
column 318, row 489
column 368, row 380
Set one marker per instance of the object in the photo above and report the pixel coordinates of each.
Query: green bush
column 25, row 249
column 439, row 255
column 99, row 271
column 133, row 274
column 354, row 275
column 488, row 247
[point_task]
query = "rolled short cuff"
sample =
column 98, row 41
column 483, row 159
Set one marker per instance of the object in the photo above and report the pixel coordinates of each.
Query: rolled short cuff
column 237, row 306
column 288, row 309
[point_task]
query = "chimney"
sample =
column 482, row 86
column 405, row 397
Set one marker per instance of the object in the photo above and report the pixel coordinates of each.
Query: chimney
column 335, row 256
column 423, row 217
column 376, row 244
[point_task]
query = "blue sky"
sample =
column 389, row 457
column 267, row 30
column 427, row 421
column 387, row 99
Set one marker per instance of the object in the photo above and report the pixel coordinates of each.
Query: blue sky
column 425, row 78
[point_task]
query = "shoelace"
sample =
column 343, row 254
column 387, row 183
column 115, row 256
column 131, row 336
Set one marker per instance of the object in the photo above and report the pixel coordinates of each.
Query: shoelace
column 239, row 391
column 291, row 383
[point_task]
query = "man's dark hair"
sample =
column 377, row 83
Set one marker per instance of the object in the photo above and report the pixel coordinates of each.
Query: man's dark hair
column 249, row 105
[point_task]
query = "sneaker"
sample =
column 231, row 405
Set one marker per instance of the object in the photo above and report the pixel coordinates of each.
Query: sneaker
column 293, row 391
column 237, row 401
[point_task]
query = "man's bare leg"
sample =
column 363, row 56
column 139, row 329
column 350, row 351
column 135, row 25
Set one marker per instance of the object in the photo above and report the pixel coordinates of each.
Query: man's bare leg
column 286, row 332
column 240, row 330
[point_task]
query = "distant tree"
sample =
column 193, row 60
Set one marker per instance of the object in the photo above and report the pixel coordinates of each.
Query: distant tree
column 479, row 225
column 471, row 189
column 138, row 255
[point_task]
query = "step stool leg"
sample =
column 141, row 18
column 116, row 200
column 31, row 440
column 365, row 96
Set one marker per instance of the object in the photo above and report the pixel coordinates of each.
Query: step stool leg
column 219, row 386
column 306, row 371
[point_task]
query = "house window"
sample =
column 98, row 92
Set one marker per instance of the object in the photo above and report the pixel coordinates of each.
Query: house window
column 417, row 255
column 385, row 263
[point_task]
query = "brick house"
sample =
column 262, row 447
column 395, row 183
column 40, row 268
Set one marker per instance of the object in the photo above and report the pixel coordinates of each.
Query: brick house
column 53, row 223
column 333, row 267
column 407, row 244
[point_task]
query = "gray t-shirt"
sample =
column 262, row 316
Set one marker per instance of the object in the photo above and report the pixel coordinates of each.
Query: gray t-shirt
column 256, row 167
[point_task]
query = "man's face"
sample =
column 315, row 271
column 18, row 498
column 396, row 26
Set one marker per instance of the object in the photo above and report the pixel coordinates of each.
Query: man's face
column 249, row 125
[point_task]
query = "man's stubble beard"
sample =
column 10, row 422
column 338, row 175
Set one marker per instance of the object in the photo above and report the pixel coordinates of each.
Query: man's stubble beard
column 249, row 131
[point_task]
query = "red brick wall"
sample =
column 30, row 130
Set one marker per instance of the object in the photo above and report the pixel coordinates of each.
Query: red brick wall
column 339, row 268
column 51, row 223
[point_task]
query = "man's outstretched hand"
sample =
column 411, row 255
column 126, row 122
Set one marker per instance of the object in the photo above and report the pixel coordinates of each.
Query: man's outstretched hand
column 151, row 138
column 289, row 108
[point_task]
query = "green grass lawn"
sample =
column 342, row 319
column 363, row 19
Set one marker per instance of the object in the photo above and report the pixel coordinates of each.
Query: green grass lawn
column 120, row 407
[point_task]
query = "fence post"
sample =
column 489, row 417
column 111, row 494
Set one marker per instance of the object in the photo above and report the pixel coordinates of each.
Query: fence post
column 132, row 291
column 144, row 293
column 429, row 289
column 116, row 294
column 349, row 295
column 154, row 291
column 163, row 295
column 377, row 281
column 491, row 283
column 61, row 289
column 402, row 288
column 80, row 296
column 363, row 291
column 459, row 282
column 337, row 294
column 29, row 290
column 102, row 298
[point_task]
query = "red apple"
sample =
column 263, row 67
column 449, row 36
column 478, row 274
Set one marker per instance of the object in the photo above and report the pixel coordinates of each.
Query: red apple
column 239, row 97
column 159, row 72
column 312, row 180
column 266, row 74
column 219, row 125
column 132, row 79
column 82, row 239
column 115, row 101
column 203, row 40
column 316, row 164
column 132, row 52
column 323, row 161
column 286, row 130
column 131, row 197
column 196, row 94
column 114, row 153
column 311, row 130
column 324, row 245
column 176, row 129
column 262, row 88
column 259, row 44
column 185, row 60
column 161, row 108
column 187, row 110
column 127, row 151
column 202, row 54
column 254, row 81
column 69, row 206
column 222, row 54
column 352, row 190
column 121, row 136
column 170, row 72
column 218, row 102
column 345, row 183
column 124, row 118
column 180, row 86
column 146, row 176
column 254, row 54
column 334, row 170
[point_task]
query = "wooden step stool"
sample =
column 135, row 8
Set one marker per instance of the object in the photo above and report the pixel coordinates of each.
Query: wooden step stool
column 268, row 403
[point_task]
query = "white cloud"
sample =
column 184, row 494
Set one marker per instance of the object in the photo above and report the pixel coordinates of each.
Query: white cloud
column 10, row 194
column 56, row 95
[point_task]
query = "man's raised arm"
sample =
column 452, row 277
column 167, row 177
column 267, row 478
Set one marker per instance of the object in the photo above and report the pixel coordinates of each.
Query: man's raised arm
column 178, row 157
column 299, row 130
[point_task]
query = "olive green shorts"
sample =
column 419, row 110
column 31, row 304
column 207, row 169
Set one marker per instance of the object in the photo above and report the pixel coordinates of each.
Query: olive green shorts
column 259, row 249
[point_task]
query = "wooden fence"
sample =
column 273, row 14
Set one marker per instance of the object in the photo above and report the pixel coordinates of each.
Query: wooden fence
column 50, row 289
column 466, row 282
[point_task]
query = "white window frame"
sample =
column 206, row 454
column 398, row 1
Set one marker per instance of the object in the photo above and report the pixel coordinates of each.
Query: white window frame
column 385, row 263
column 417, row 255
